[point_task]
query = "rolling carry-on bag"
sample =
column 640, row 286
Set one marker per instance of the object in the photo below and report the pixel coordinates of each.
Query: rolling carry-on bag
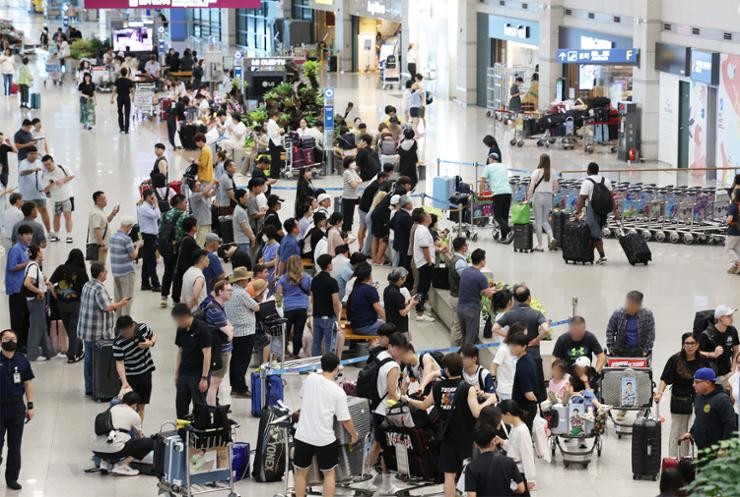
column 273, row 385
column 160, row 447
column 35, row 101
column 558, row 220
column 421, row 454
column 523, row 237
column 646, row 459
column 576, row 243
column 174, row 460
column 635, row 248
column 226, row 228
column 105, row 382
column 443, row 187
column 240, row 460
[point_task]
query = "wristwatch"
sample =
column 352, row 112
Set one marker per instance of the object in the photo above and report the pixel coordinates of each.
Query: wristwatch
column 204, row 377
column 29, row 406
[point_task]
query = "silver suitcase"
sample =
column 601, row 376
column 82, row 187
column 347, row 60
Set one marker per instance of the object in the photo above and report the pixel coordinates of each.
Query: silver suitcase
column 627, row 388
column 359, row 411
column 561, row 428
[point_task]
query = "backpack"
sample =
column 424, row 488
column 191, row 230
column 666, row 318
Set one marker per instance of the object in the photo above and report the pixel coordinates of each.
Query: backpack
column 367, row 382
column 601, row 198
column 104, row 423
column 163, row 203
column 167, row 235
column 191, row 173
column 702, row 321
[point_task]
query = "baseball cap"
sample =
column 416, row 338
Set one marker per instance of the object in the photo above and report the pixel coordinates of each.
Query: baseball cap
column 274, row 199
column 213, row 237
column 395, row 199
column 723, row 310
column 583, row 362
column 705, row 374
column 322, row 197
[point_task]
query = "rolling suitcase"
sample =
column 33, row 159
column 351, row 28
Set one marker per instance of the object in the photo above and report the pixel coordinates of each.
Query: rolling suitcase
column 576, row 243
column 558, row 220
column 273, row 385
column 646, row 458
column 35, row 100
column 160, row 448
column 359, row 411
column 105, row 382
column 442, row 189
column 187, row 136
column 226, row 228
column 240, row 461
column 523, row 237
column 174, row 460
column 635, row 248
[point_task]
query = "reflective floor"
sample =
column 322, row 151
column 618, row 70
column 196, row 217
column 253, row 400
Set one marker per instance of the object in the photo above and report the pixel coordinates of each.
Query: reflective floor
column 681, row 280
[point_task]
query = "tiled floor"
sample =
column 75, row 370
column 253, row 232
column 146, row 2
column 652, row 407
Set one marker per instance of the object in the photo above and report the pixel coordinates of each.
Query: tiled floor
column 681, row 280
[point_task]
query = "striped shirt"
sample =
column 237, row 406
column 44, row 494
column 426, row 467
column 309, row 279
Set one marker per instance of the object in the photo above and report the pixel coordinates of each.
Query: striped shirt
column 121, row 247
column 136, row 361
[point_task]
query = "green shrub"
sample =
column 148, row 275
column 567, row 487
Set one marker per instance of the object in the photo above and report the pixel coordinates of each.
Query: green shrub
column 718, row 471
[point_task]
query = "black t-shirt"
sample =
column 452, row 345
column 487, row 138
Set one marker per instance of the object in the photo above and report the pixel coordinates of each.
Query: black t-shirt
column 451, row 400
column 87, row 89
column 316, row 235
column 366, row 200
column 490, row 474
column 69, row 289
column 323, row 288
column 682, row 386
column 188, row 247
column 4, row 169
column 569, row 350
column 123, row 88
column 394, row 301
column 272, row 219
column 711, row 338
column 241, row 259
column 401, row 224
column 525, row 380
column 192, row 341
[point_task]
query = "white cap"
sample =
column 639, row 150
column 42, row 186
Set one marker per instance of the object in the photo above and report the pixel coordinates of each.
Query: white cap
column 395, row 199
column 723, row 310
column 583, row 362
column 127, row 221
column 322, row 197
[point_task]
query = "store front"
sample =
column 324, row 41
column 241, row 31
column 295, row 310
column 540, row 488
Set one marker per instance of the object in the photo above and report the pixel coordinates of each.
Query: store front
column 507, row 48
column 376, row 33
column 431, row 29
column 596, row 64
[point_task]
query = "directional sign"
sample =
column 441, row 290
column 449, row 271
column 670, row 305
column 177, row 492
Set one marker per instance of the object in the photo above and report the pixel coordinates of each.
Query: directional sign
column 161, row 29
column 615, row 56
column 329, row 118
column 237, row 55
column 328, row 93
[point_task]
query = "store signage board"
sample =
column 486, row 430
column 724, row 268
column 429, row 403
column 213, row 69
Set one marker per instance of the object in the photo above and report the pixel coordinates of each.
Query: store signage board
column 519, row 31
column 375, row 8
column 612, row 56
column 705, row 67
column 270, row 64
column 172, row 4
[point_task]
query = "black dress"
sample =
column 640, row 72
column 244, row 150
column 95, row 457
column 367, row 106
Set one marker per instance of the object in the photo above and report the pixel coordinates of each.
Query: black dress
column 407, row 162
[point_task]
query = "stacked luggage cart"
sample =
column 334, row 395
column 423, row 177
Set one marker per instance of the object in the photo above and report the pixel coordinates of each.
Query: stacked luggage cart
column 627, row 386
column 299, row 152
column 574, row 433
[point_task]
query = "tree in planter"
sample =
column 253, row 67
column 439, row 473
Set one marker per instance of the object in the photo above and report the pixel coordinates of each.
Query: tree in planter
column 718, row 471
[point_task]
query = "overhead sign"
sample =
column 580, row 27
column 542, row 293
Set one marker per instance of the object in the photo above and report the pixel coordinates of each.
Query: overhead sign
column 705, row 67
column 172, row 4
column 611, row 56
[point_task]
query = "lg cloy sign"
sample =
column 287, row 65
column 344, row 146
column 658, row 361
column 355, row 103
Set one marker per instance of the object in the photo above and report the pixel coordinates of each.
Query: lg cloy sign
column 172, row 4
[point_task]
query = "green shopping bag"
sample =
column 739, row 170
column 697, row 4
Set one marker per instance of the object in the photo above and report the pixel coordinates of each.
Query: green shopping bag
column 520, row 213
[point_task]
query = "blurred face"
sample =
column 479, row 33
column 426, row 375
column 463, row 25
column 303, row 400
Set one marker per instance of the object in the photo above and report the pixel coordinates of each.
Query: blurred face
column 128, row 332
column 26, row 238
column 631, row 307
column 409, row 357
column 577, row 331
column 226, row 293
column 102, row 200
column 726, row 320
column 516, row 350
column 49, row 165
column 469, row 362
column 103, row 276
column 151, row 199
column 183, row 321
column 262, row 275
column 32, row 156
column 703, row 387
column 303, row 124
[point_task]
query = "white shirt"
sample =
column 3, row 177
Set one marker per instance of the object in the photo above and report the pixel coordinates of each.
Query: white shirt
column 519, row 447
column 411, row 55
column 59, row 192
column 735, row 387
column 321, row 401
column 544, row 186
column 587, row 187
column 505, row 372
column 34, row 272
column 273, row 132
column 422, row 239
column 11, row 217
column 322, row 247
column 123, row 418
column 237, row 132
column 383, row 381
column 152, row 68
column 188, row 281
column 30, row 185
column 337, row 263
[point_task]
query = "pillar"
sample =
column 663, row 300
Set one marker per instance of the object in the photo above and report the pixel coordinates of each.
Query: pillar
column 646, row 82
column 343, row 34
column 228, row 29
column 551, row 18
column 467, row 32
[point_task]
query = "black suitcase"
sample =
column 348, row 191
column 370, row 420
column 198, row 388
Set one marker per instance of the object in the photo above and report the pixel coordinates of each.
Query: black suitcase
column 646, row 447
column 187, row 136
column 226, row 228
column 576, row 243
column 441, row 278
column 523, row 237
column 558, row 220
column 635, row 248
column 105, row 382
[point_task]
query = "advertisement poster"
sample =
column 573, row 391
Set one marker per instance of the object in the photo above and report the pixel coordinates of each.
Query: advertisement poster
column 698, row 130
column 728, row 118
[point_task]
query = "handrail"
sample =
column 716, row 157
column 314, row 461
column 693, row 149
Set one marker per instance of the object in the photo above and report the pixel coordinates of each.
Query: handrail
column 653, row 170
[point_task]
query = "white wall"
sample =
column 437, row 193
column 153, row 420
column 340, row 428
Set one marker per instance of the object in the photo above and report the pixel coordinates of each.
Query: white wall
column 716, row 14
column 668, row 112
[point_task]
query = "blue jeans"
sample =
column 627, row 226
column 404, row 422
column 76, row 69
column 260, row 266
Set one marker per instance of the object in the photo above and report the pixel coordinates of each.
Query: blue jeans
column 323, row 329
column 88, row 365
column 371, row 329
column 7, row 82
column 367, row 248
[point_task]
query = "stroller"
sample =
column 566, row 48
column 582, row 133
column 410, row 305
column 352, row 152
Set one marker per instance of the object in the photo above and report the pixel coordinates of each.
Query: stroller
column 626, row 389
column 575, row 430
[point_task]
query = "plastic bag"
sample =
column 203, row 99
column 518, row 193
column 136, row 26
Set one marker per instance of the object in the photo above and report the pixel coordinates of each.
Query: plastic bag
column 539, row 427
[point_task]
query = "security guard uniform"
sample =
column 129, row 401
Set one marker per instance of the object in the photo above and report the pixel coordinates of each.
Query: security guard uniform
column 14, row 372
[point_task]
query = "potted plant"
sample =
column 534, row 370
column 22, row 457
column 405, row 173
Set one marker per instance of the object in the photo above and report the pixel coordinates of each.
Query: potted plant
column 718, row 471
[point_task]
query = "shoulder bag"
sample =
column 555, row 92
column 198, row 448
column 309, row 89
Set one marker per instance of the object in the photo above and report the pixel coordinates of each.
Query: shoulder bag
column 92, row 250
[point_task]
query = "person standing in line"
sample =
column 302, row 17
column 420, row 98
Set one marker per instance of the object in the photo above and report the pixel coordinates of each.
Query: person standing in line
column 132, row 353
column 424, row 253
column 396, row 301
column 295, row 288
column 220, row 326
column 714, row 417
column 57, row 178
column 200, row 206
column 97, row 225
column 473, row 285
column 351, row 181
column 34, row 289
column 215, row 269
column 15, row 383
column 12, row 216
column 25, row 81
column 67, row 282
column 95, row 319
column 240, row 310
column 542, row 186
column 30, row 185
column 732, row 241
column 186, row 255
column 15, row 270
column 194, row 290
column 170, row 234
column 243, row 235
column 227, row 189
column 206, row 172
column 275, row 145
column 149, row 228
column 123, row 253
column 123, row 88
column 288, row 245
column 497, row 177
column 524, row 389
column 504, row 364
column 30, row 213
column 193, row 362
column 327, row 306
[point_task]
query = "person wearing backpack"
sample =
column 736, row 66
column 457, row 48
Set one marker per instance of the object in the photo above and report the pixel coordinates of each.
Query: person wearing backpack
column 476, row 375
column 170, row 234
column 161, row 165
column 596, row 195
column 458, row 405
column 719, row 343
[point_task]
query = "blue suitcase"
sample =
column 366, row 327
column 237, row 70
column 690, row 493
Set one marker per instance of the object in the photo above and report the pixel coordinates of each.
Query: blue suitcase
column 35, row 100
column 442, row 189
column 240, row 461
column 274, row 392
column 174, row 460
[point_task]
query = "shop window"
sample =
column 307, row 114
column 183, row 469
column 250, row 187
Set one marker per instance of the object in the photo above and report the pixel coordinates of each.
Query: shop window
column 254, row 29
column 205, row 23
column 302, row 10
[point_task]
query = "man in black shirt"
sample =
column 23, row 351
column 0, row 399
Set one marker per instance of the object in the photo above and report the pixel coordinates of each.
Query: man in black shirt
column 326, row 307
column 396, row 308
column 122, row 89
column 193, row 363
column 525, row 375
column 401, row 224
column 491, row 473
column 5, row 146
column 719, row 343
column 185, row 255
column 579, row 342
column 367, row 164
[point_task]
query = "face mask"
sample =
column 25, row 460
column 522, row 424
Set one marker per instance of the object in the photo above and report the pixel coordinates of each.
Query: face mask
column 10, row 346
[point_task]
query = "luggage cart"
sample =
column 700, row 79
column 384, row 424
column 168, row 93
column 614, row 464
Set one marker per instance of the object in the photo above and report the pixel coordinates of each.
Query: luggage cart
column 144, row 106
column 54, row 71
column 575, row 433
column 390, row 73
column 286, row 155
column 626, row 389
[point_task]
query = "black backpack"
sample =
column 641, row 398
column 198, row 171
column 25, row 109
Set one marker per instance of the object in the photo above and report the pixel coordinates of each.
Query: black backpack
column 191, row 173
column 702, row 321
column 163, row 203
column 166, row 237
column 367, row 382
column 601, row 198
column 104, row 423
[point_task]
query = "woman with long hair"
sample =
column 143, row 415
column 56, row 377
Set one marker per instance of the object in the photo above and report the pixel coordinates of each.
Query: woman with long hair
column 66, row 287
column 519, row 445
column 34, row 289
column 304, row 190
column 379, row 233
column 542, row 186
column 295, row 289
column 679, row 373
column 86, row 89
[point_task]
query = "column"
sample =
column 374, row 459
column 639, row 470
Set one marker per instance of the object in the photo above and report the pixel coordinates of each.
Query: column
column 343, row 34
column 467, row 32
column 646, row 82
column 551, row 18
column 228, row 29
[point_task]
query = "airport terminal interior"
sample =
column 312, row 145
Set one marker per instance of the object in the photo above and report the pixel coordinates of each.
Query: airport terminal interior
column 667, row 138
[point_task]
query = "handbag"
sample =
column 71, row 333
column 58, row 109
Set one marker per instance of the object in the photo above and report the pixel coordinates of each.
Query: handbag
column 92, row 250
column 682, row 405
column 520, row 213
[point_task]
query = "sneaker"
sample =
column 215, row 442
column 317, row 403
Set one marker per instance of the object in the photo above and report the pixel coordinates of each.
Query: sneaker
column 601, row 261
column 124, row 470
column 734, row 269
column 53, row 237
column 68, row 239
column 163, row 302
column 146, row 288
column 389, row 490
column 553, row 245
column 156, row 289
column 538, row 249
column 13, row 485
column 425, row 318
column 241, row 395
column 105, row 467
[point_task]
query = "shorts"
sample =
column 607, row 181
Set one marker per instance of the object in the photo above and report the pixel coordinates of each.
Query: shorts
column 63, row 206
column 382, row 232
column 451, row 457
column 220, row 373
column 378, row 431
column 40, row 202
column 371, row 329
column 363, row 218
column 595, row 223
column 261, row 340
column 141, row 384
column 414, row 112
column 327, row 456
